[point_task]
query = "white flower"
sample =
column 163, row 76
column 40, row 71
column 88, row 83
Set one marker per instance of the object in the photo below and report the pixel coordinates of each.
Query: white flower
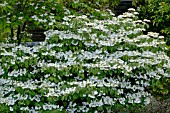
column 146, row 20
column 71, row 16
column 138, row 21
column 90, row 24
column 147, row 101
column 8, row 22
column 11, row 102
column 135, row 13
column 45, row 107
column 50, row 24
column 158, row 77
column 99, row 27
column 45, row 14
column 108, row 100
column 130, row 100
column 161, row 37
column 120, row 91
column 153, row 34
column 43, row 7
column 91, row 96
column 11, row 109
column 99, row 85
column 122, row 100
column 95, row 92
column 131, row 9
column 82, row 17
column 137, row 100
column 36, row 7
column 32, row 4
column 66, row 18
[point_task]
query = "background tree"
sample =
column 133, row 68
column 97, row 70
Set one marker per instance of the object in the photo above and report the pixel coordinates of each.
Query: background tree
column 16, row 14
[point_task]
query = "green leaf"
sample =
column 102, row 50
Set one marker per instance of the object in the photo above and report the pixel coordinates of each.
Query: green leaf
column 27, row 102
column 29, row 76
column 75, row 96
column 3, row 59
column 41, row 104
column 35, row 61
column 100, row 108
column 7, row 30
column 18, row 89
column 62, row 98
column 165, row 91
column 81, row 75
column 160, row 86
column 112, row 92
column 26, row 64
column 16, row 67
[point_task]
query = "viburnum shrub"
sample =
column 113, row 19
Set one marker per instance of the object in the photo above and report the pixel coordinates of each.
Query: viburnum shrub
column 87, row 65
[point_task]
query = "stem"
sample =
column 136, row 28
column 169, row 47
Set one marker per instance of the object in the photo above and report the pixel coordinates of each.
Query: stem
column 110, row 4
column 23, row 26
column 18, row 34
column 12, row 34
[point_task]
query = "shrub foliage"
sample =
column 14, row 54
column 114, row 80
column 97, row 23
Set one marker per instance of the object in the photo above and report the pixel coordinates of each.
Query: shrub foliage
column 158, row 11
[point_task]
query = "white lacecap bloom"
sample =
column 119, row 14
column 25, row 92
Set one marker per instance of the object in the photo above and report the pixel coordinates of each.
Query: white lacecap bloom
column 95, row 92
column 43, row 7
column 161, row 37
column 76, row 1
column 131, row 9
column 37, row 108
column 158, row 77
column 108, row 100
column 2, row 71
column 137, row 100
column 120, row 91
column 31, row 4
column 122, row 100
column 66, row 18
column 146, row 20
column 36, row 7
column 138, row 21
column 8, row 22
column 50, row 24
column 135, row 13
column 71, row 16
column 32, row 110
column 153, row 34
column 130, row 100
column 147, row 101
column 11, row 102
column 91, row 96
column 44, row 107
column 82, row 17
column 11, row 109
column 4, row 4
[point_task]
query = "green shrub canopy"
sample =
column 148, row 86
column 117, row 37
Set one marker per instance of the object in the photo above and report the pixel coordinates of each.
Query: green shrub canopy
column 158, row 11
column 87, row 65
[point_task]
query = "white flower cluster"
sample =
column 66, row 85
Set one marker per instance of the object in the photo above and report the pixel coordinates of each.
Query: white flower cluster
column 4, row 4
